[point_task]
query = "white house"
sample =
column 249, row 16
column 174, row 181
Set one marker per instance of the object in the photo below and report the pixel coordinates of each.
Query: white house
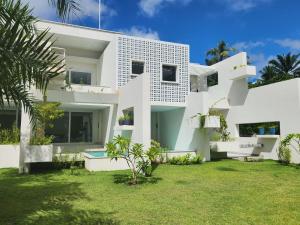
column 111, row 74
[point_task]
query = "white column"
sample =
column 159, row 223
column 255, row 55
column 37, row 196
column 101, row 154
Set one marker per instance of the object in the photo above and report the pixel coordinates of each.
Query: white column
column 25, row 133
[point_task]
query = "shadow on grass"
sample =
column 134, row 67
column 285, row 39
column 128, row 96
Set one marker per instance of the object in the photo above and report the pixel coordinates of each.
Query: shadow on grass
column 227, row 169
column 126, row 179
column 44, row 199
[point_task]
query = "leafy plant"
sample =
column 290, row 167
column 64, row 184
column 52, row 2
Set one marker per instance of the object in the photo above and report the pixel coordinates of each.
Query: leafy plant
column 121, row 148
column 284, row 154
column 10, row 136
column 26, row 56
column 186, row 160
column 284, row 151
column 41, row 140
column 47, row 113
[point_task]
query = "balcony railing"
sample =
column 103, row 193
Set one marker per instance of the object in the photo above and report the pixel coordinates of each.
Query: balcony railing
column 88, row 89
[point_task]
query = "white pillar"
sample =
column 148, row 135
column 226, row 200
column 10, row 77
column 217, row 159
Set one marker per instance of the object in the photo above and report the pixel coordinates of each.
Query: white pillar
column 25, row 133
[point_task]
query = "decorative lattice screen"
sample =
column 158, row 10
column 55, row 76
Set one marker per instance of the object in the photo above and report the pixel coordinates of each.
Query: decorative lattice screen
column 154, row 54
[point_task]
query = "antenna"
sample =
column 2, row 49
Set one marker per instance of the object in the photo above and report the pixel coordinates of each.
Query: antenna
column 99, row 14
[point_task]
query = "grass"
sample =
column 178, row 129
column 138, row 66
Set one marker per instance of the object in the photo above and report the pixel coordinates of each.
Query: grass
column 224, row 192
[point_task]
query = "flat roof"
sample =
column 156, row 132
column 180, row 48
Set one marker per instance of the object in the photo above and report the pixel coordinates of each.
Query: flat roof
column 108, row 31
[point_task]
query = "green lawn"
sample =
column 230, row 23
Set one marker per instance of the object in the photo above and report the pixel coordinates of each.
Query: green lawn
column 224, row 192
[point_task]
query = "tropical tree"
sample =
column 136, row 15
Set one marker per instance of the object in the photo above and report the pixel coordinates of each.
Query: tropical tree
column 286, row 64
column 219, row 53
column 65, row 8
column 268, row 73
column 283, row 67
column 26, row 56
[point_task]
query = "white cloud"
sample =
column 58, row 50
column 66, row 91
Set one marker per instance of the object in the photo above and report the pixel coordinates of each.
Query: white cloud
column 243, row 46
column 152, row 7
column 88, row 8
column 243, row 5
column 260, row 60
column 142, row 32
column 41, row 9
column 292, row 44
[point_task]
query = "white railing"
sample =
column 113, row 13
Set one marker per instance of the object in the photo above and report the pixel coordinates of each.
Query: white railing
column 88, row 89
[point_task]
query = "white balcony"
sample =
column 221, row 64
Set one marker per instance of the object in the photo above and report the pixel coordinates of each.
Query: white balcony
column 242, row 72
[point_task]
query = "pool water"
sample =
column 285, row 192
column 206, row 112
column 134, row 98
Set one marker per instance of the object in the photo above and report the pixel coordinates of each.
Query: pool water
column 98, row 154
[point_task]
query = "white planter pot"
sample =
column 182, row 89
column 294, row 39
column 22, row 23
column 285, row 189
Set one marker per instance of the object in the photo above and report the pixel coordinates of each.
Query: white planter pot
column 39, row 153
column 212, row 122
column 220, row 146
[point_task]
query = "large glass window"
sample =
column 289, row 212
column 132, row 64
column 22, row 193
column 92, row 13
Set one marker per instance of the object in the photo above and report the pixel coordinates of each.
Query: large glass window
column 252, row 129
column 169, row 73
column 9, row 118
column 212, row 80
column 81, row 127
column 77, row 77
column 72, row 127
column 60, row 130
column 137, row 67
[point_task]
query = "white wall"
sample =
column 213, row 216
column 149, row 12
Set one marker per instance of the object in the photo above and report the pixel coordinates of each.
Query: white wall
column 108, row 65
column 154, row 54
column 176, row 132
column 9, row 156
column 275, row 102
column 136, row 94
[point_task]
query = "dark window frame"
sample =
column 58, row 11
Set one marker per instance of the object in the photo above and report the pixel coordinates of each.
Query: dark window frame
column 133, row 73
column 163, row 76
column 79, row 71
column 213, row 80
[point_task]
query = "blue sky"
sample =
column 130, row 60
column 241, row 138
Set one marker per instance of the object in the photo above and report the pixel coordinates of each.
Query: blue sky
column 263, row 28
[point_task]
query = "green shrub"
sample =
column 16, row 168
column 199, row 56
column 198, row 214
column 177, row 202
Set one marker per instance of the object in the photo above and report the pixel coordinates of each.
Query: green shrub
column 41, row 140
column 186, row 160
column 10, row 136
column 284, row 154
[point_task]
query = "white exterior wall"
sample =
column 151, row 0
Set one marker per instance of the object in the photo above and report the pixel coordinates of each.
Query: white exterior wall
column 176, row 131
column 9, row 156
column 274, row 102
column 154, row 54
column 136, row 94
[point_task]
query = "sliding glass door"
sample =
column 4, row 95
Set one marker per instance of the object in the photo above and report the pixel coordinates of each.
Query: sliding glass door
column 73, row 127
column 81, row 126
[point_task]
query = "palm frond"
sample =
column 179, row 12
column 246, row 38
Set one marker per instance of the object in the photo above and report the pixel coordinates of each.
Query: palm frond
column 65, row 8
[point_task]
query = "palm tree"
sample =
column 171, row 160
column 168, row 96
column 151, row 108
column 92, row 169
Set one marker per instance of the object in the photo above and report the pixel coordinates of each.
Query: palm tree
column 218, row 54
column 268, row 73
column 26, row 56
column 286, row 65
column 64, row 8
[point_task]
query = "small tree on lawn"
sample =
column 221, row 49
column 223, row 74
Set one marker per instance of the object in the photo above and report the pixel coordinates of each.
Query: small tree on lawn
column 121, row 148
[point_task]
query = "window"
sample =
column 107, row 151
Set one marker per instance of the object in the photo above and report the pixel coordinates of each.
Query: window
column 137, row 67
column 212, row 80
column 73, row 127
column 81, row 127
column 60, row 130
column 77, row 77
column 169, row 73
column 251, row 129
column 10, row 118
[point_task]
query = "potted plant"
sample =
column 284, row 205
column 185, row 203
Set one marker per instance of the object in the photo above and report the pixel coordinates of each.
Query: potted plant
column 261, row 130
column 131, row 120
column 121, row 120
column 272, row 130
column 126, row 119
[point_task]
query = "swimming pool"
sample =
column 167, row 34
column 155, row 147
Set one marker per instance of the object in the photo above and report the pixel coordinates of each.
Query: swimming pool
column 97, row 154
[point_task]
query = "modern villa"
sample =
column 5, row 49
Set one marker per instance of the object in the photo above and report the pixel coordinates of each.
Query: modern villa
column 109, row 75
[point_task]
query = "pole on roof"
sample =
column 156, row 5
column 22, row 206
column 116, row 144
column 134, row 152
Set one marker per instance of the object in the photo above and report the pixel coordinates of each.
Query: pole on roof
column 99, row 14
